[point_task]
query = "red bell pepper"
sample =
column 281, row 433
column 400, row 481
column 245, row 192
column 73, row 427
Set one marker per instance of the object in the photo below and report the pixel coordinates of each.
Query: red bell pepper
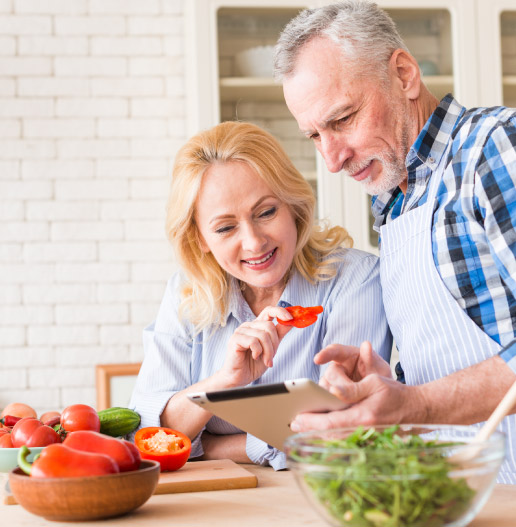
column 118, row 449
column 32, row 432
column 302, row 316
column 60, row 461
column 170, row 447
column 9, row 420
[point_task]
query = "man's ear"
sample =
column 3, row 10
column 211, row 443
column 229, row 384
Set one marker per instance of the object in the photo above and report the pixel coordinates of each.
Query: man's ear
column 405, row 71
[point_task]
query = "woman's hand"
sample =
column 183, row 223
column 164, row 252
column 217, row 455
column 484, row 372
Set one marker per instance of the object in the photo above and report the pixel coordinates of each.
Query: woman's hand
column 253, row 345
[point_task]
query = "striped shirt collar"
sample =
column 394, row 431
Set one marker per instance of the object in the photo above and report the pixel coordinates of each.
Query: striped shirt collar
column 427, row 150
column 239, row 308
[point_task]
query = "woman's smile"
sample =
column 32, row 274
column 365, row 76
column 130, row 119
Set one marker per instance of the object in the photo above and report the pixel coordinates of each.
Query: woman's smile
column 262, row 262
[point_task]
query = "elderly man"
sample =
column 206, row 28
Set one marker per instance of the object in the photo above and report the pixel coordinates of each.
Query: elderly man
column 443, row 180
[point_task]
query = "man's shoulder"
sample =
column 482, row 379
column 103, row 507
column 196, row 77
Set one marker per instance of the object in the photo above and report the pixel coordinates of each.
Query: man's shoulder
column 482, row 121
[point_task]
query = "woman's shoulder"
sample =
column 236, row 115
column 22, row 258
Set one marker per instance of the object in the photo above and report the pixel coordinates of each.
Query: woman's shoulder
column 353, row 267
column 169, row 307
column 345, row 257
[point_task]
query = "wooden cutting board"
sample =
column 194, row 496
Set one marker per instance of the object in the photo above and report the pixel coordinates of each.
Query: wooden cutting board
column 197, row 476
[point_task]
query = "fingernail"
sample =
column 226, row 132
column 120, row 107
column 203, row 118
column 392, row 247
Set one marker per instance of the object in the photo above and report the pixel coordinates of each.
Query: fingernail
column 294, row 426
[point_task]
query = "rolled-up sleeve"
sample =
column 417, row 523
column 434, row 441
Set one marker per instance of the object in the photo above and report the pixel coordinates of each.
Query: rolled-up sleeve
column 508, row 354
column 263, row 454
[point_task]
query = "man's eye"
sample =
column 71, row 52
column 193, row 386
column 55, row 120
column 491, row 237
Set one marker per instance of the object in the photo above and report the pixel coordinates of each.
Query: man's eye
column 314, row 137
column 342, row 120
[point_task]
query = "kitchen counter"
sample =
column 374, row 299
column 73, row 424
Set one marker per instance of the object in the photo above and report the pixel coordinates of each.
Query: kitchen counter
column 276, row 502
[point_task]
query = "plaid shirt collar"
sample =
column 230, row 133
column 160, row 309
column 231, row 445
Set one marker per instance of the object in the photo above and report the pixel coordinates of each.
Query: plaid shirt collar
column 422, row 159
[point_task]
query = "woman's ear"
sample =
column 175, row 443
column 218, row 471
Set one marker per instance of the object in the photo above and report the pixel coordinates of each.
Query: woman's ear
column 405, row 70
column 202, row 243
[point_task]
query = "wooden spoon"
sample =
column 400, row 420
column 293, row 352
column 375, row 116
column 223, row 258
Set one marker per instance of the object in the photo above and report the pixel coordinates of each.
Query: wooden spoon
column 503, row 408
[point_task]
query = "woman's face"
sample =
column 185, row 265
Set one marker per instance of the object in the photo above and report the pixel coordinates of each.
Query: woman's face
column 249, row 231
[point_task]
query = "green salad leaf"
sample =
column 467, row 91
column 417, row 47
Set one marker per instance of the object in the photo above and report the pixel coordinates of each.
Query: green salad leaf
column 388, row 480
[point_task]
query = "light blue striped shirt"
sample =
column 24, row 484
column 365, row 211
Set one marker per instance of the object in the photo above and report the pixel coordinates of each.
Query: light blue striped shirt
column 175, row 358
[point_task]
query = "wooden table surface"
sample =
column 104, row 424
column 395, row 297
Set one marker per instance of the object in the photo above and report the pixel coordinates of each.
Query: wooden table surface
column 276, row 502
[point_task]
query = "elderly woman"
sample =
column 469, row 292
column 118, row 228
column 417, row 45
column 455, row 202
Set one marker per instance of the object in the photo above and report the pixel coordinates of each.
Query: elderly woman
column 241, row 220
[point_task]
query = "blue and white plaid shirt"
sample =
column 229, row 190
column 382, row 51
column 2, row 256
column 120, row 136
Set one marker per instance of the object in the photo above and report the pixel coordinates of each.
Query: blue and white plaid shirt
column 474, row 225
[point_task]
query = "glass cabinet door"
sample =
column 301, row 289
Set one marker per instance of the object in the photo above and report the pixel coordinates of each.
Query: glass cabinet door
column 508, row 52
column 497, row 52
column 245, row 39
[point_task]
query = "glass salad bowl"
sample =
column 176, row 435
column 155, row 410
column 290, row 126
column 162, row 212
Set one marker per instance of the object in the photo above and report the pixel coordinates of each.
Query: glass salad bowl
column 396, row 476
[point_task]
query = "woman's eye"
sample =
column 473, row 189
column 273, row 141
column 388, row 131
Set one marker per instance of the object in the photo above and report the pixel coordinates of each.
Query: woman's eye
column 224, row 230
column 268, row 212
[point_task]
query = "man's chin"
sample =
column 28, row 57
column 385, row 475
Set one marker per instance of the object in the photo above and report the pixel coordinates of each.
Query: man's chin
column 374, row 188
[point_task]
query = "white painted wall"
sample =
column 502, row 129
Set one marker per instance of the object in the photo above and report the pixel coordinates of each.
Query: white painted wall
column 92, row 111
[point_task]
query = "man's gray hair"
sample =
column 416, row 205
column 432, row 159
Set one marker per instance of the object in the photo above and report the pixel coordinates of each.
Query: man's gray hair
column 365, row 33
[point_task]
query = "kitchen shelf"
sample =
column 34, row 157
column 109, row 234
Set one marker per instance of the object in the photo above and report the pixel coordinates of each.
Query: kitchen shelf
column 509, row 89
column 265, row 89
column 252, row 88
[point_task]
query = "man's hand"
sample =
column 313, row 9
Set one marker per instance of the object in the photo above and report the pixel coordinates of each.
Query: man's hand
column 351, row 362
column 361, row 378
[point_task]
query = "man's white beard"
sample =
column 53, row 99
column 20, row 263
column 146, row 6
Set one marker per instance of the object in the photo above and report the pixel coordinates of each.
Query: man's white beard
column 393, row 173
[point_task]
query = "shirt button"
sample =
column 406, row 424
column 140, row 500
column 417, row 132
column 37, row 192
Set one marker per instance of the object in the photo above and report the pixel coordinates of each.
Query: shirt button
column 282, row 304
column 431, row 160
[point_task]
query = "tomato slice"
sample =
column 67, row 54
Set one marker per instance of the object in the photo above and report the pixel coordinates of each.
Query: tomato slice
column 302, row 316
column 170, row 447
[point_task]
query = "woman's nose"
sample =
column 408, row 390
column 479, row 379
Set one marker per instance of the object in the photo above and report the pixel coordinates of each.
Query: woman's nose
column 253, row 239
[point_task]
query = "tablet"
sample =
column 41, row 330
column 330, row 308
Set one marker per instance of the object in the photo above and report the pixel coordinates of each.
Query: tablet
column 266, row 410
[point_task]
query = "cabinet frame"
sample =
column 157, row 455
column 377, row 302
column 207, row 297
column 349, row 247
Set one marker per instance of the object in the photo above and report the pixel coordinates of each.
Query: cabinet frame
column 340, row 199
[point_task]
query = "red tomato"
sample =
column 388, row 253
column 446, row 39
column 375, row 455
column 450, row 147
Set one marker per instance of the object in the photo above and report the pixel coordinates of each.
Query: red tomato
column 80, row 417
column 302, row 316
column 32, row 432
column 5, row 440
column 173, row 450
column 49, row 416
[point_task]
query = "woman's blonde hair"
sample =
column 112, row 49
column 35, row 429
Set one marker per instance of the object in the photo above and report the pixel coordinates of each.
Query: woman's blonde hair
column 204, row 299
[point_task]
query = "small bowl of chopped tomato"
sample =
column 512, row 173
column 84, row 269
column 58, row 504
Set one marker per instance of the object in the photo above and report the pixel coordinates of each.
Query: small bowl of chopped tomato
column 169, row 447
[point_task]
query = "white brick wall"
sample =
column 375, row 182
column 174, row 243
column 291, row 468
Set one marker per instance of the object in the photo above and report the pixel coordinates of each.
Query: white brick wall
column 92, row 111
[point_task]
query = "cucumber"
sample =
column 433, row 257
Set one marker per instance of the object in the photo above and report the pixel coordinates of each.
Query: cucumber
column 117, row 421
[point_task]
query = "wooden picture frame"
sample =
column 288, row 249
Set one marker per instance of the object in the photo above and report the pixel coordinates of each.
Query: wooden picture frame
column 114, row 384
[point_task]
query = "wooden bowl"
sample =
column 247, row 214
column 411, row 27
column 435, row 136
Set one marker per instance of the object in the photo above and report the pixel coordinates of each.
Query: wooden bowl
column 85, row 498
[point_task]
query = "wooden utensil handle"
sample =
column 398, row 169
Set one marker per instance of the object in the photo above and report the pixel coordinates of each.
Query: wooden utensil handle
column 503, row 408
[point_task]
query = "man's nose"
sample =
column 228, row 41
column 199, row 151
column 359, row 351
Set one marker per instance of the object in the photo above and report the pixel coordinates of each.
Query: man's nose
column 334, row 150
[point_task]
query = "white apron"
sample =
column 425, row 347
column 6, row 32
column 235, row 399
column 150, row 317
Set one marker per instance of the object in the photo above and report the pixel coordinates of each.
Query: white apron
column 434, row 335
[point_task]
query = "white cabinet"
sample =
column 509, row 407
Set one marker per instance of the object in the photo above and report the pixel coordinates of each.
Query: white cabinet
column 497, row 52
column 478, row 67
